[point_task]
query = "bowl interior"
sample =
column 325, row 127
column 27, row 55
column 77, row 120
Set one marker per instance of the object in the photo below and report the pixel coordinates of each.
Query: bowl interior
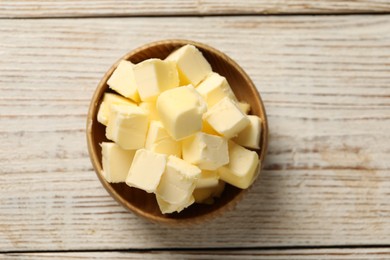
column 145, row 204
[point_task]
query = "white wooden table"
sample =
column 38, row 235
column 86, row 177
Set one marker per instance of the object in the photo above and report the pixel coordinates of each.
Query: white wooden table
column 321, row 67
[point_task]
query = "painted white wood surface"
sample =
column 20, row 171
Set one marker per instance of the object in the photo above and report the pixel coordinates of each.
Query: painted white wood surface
column 290, row 254
column 75, row 8
column 325, row 82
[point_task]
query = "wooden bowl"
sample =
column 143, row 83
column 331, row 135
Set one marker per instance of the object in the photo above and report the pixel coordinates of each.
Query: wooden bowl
column 140, row 202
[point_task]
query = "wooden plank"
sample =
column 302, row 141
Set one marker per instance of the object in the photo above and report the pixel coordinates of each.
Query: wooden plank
column 325, row 82
column 74, row 8
column 291, row 254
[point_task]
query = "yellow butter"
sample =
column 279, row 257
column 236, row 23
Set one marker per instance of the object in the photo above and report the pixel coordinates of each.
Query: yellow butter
column 208, row 152
column 191, row 65
column 154, row 76
column 146, row 170
column 167, row 207
column 127, row 126
column 116, row 162
column 206, row 128
column 203, row 195
column 150, row 107
column 242, row 168
column 214, row 88
column 207, row 179
column 108, row 100
column 180, row 110
column 158, row 140
column 250, row 136
column 206, row 195
column 122, row 80
column 178, row 181
column 244, row 107
column 226, row 118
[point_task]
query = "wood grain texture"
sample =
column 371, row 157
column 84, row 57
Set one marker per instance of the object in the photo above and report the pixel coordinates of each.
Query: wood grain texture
column 306, row 254
column 325, row 82
column 75, row 8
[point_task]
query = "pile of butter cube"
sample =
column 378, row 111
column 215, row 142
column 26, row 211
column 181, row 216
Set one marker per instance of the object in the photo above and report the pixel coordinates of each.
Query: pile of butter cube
column 177, row 130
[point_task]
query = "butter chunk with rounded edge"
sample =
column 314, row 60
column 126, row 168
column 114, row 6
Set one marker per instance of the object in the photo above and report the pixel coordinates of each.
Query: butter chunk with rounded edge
column 208, row 152
column 178, row 181
column 180, row 110
column 214, row 88
column 116, row 162
column 122, row 80
column 242, row 168
column 146, row 170
column 250, row 136
column 154, row 76
column 108, row 100
column 191, row 65
column 158, row 140
column 167, row 207
column 226, row 118
column 127, row 126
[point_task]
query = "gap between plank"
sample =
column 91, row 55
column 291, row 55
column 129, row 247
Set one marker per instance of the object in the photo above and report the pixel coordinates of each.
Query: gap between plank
column 195, row 15
column 200, row 249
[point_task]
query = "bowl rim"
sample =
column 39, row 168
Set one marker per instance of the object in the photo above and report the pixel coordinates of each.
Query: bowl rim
column 94, row 157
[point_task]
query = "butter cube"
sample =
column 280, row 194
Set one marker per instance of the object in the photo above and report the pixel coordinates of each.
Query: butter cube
column 206, row 128
column 206, row 195
column 150, row 107
column 158, row 140
column 146, row 170
column 191, row 64
column 242, row 168
column 203, row 195
column 178, row 181
column 244, row 107
column 108, row 100
column 127, row 126
column 116, row 162
column 208, row 152
column 214, row 88
column 250, row 136
column 154, row 76
column 180, row 110
column 226, row 118
column 122, row 80
column 207, row 179
column 166, row 207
